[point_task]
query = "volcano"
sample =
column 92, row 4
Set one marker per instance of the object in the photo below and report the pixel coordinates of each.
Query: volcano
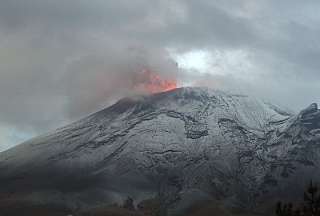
column 184, row 146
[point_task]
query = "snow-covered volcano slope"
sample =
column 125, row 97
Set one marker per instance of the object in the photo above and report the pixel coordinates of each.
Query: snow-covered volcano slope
column 226, row 146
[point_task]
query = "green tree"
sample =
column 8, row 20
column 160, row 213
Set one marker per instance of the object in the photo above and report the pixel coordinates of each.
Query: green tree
column 284, row 209
column 310, row 206
column 128, row 204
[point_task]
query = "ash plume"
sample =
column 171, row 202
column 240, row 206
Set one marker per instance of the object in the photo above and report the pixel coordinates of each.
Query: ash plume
column 61, row 60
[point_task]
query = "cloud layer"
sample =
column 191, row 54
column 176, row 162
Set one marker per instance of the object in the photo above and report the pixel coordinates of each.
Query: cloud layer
column 60, row 60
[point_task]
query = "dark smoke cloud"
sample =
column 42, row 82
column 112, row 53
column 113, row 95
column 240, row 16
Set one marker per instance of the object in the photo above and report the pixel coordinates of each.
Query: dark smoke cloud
column 61, row 60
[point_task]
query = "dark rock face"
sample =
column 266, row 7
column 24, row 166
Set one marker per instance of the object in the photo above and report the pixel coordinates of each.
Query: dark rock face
column 310, row 117
column 200, row 142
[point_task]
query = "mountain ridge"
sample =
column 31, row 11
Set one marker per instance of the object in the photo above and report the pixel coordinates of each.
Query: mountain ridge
column 224, row 146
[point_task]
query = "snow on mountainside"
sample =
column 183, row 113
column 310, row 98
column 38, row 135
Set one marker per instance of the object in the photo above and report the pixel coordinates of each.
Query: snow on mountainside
column 188, row 112
column 226, row 146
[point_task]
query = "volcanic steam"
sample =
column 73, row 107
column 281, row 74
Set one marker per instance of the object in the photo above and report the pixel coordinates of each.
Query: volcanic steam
column 151, row 82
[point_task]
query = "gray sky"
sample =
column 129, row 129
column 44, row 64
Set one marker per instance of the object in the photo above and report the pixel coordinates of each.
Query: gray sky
column 63, row 59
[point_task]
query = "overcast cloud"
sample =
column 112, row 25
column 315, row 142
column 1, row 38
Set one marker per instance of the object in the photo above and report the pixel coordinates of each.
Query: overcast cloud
column 63, row 59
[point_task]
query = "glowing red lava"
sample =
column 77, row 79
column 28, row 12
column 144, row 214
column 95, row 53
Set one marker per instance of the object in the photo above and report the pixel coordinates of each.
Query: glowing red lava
column 153, row 83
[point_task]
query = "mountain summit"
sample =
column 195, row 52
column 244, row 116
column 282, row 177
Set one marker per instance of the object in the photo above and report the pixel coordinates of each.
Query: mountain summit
column 184, row 145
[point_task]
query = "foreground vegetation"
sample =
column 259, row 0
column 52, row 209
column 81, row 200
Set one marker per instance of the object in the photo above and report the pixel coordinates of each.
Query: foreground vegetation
column 152, row 207
column 146, row 208
column 309, row 207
